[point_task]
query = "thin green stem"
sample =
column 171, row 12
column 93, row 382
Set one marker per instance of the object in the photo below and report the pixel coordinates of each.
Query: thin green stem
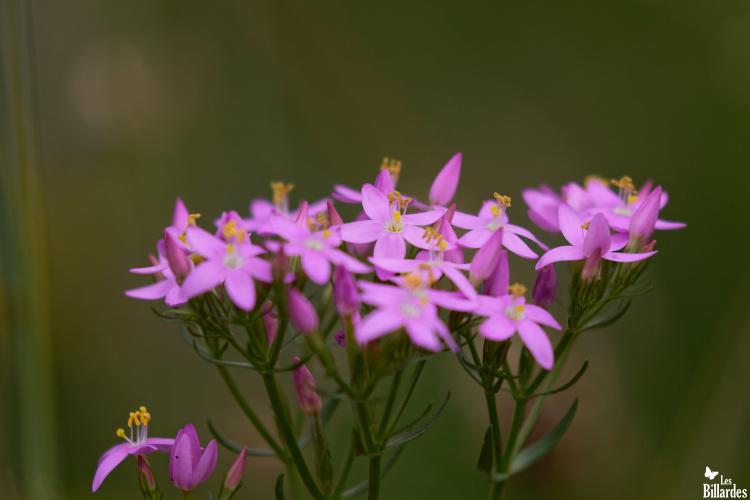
column 288, row 436
column 226, row 376
column 374, row 478
column 497, row 440
column 395, row 383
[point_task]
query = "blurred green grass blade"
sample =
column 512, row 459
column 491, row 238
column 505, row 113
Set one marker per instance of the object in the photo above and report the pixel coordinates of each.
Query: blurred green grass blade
column 24, row 267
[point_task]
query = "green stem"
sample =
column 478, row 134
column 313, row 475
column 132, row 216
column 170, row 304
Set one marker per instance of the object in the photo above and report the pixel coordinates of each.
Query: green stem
column 497, row 442
column 288, row 436
column 249, row 413
column 374, row 478
column 395, row 383
column 187, row 495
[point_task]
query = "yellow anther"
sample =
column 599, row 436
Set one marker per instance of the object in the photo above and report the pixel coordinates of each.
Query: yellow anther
column 520, row 308
column 517, row 290
column 397, row 216
column 230, row 230
column 120, row 433
column 143, row 409
column 230, row 248
column 443, row 244
column 632, row 199
column 280, row 192
column 412, row 280
column 625, row 183
column 595, row 178
column 586, row 225
column 192, row 218
column 392, row 165
column 502, row 200
column 495, row 210
column 327, row 233
column 396, row 197
column 321, row 219
column 183, row 237
column 431, row 235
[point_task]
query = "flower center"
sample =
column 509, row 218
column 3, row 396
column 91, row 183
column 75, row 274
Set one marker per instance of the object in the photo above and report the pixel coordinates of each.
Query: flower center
column 314, row 244
column 502, row 202
column 396, row 224
column 140, row 420
column 409, row 310
column 627, row 193
column 281, row 192
column 191, row 222
column 232, row 259
column 516, row 313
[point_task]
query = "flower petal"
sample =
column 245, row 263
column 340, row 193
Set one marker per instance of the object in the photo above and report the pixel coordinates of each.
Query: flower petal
column 375, row 203
column 154, row 291
column 206, row 464
column 422, row 218
column 444, row 186
column 517, row 246
column 559, row 254
column 241, row 289
column 346, row 194
column 204, row 243
column 460, row 280
column 316, row 267
column 107, row 463
column 598, row 237
column 365, row 231
column 422, row 335
column 540, row 315
column 570, row 225
column 627, row 257
column 353, row 265
column 390, row 246
column 203, row 278
column 537, row 343
column 475, row 238
column 377, row 324
column 497, row 327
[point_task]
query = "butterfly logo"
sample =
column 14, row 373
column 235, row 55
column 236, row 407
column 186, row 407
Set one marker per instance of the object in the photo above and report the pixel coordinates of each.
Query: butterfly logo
column 710, row 474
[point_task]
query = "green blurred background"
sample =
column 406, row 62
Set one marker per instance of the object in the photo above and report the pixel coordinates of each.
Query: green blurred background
column 142, row 101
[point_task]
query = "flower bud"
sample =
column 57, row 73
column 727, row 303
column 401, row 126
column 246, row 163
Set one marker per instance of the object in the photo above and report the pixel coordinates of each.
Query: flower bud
column 146, row 479
column 545, row 287
column 303, row 214
column 486, row 258
column 498, row 282
column 301, row 312
column 306, row 389
column 334, row 218
column 178, row 260
column 384, row 181
column 345, row 294
column 444, row 186
column 270, row 320
column 280, row 265
column 234, row 476
column 644, row 219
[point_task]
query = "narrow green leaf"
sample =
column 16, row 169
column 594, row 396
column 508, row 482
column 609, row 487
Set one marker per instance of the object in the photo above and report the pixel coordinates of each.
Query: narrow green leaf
column 566, row 385
column 609, row 316
column 484, row 464
column 279, row 489
column 414, row 433
column 236, row 447
column 540, row 448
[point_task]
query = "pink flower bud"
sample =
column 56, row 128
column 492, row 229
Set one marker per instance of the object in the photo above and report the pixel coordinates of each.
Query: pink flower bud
column 146, row 479
column 306, row 388
column 334, row 218
column 178, row 260
column 498, row 282
column 444, row 186
column 345, row 294
column 545, row 286
column 303, row 214
column 279, row 265
column 486, row 258
column 234, row 475
column 270, row 320
column 384, row 181
column 644, row 219
column 301, row 312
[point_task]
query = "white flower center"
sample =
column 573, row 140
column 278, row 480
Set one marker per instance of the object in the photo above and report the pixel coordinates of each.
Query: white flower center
column 233, row 260
column 314, row 244
column 516, row 313
column 409, row 310
column 623, row 210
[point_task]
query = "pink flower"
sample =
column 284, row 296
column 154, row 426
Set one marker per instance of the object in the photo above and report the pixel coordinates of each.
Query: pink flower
column 234, row 265
column 385, row 182
column 167, row 286
column 301, row 312
column 136, row 442
column 189, row 464
column 492, row 217
column 388, row 226
column 591, row 240
column 318, row 249
column 413, row 307
column 509, row 314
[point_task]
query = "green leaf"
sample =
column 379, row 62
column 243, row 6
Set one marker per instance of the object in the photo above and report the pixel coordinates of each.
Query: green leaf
column 608, row 316
column 236, row 447
column 566, row 385
column 540, row 448
column 484, row 464
column 279, row 489
column 412, row 434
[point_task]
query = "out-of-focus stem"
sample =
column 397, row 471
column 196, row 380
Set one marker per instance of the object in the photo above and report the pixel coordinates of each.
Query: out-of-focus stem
column 25, row 264
column 374, row 478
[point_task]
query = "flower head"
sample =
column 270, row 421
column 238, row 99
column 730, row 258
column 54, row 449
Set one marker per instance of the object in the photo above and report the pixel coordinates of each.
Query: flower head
column 136, row 442
column 590, row 240
column 189, row 464
column 168, row 283
column 509, row 314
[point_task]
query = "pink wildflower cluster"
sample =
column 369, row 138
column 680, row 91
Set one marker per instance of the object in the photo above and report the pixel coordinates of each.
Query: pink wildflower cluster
column 414, row 259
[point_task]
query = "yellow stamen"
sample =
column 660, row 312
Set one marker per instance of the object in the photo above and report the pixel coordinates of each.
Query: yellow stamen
column 322, row 219
column 230, row 230
column 397, row 216
column 327, row 233
column 517, row 290
column 120, row 433
column 280, row 192
column 230, row 248
column 632, row 198
column 412, row 280
column 396, row 197
column 520, row 308
column 625, row 183
column 192, row 218
column 586, row 225
column 392, row 165
column 502, row 200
